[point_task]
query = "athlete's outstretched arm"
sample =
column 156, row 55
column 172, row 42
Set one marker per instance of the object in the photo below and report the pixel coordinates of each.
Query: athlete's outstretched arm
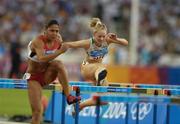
column 78, row 44
column 37, row 45
column 112, row 38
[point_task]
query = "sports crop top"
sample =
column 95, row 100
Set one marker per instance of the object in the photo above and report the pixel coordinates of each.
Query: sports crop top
column 32, row 55
column 95, row 52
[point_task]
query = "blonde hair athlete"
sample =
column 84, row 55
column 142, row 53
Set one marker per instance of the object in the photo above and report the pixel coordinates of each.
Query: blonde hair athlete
column 96, row 48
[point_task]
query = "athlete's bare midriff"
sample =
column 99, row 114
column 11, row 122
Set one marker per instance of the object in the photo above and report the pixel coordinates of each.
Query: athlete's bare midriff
column 36, row 67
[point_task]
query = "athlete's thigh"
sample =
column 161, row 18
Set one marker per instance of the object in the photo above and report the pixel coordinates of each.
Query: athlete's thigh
column 35, row 94
column 88, row 70
column 51, row 71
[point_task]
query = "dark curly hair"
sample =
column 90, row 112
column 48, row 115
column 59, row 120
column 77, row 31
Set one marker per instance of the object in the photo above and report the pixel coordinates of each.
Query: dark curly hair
column 52, row 22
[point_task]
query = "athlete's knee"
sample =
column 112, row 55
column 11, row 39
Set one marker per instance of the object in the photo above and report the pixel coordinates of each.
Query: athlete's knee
column 58, row 65
column 37, row 113
column 37, row 110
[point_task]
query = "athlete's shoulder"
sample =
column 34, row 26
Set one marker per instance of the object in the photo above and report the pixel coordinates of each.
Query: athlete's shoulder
column 41, row 37
column 37, row 41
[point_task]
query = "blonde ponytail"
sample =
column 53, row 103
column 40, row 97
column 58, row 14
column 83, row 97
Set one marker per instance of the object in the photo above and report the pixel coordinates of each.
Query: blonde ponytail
column 97, row 25
column 94, row 22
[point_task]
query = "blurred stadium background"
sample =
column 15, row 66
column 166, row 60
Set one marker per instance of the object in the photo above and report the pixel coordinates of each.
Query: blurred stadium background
column 152, row 28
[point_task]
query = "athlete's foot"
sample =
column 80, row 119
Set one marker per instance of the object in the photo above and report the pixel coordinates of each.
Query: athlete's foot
column 73, row 99
column 101, row 77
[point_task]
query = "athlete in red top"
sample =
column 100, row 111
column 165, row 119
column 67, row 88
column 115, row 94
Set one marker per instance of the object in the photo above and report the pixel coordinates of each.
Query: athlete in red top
column 43, row 69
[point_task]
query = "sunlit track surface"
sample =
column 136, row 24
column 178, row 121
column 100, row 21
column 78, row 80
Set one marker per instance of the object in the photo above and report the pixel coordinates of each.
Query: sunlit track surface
column 5, row 122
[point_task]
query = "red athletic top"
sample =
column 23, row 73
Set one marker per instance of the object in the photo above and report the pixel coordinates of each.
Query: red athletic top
column 47, row 50
column 56, row 44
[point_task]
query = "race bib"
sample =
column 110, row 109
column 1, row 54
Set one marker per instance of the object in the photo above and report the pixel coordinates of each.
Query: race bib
column 26, row 76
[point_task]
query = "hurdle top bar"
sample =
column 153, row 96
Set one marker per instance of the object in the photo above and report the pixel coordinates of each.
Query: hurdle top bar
column 104, row 89
column 22, row 84
column 3, row 82
column 135, row 98
column 158, row 86
column 6, row 80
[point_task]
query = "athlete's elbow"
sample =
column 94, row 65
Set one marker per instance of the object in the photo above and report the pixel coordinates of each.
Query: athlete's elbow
column 124, row 42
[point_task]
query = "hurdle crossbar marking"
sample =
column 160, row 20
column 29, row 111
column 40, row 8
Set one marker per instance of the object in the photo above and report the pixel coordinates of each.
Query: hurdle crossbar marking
column 145, row 85
column 149, row 91
column 153, row 86
column 22, row 84
column 153, row 99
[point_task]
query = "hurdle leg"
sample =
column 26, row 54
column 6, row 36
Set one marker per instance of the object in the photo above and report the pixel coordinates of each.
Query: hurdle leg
column 127, row 108
column 98, row 101
column 167, row 110
column 168, row 114
column 155, row 113
column 137, row 113
column 77, row 106
column 53, row 104
column 63, row 108
column 155, row 108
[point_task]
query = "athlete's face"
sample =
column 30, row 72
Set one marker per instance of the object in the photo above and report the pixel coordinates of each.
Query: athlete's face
column 52, row 32
column 99, row 36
